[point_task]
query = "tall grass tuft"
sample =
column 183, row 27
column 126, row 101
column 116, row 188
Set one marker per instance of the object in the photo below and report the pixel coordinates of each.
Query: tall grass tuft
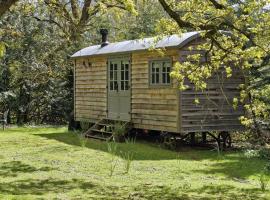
column 119, row 132
column 178, row 159
column 128, row 158
column 264, row 177
column 82, row 139
column 263, row 180
column 130, row 140
column 112, row 149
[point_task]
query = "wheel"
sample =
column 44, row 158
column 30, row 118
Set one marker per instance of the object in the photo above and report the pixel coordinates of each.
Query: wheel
column 228, row 141
column 169, row 140
column 225, row 139
column 85, row 125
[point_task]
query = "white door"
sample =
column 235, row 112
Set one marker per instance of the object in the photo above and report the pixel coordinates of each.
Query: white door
column 119, row 89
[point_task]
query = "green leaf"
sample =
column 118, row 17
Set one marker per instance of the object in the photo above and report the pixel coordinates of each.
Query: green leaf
column 2, row 49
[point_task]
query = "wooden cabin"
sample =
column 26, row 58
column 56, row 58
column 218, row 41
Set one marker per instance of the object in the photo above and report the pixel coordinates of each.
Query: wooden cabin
column 126, row 81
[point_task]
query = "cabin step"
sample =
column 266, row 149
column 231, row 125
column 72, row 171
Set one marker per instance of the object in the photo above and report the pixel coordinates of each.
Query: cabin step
column 98, row 137
column 99, row 130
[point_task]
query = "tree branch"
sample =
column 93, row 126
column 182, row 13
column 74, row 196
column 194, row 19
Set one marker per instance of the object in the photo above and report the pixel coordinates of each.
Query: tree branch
column 85, row 12
column 74, row 8
column 60, row 7
column 47, row 20
column 217, row 5
column 174, row 15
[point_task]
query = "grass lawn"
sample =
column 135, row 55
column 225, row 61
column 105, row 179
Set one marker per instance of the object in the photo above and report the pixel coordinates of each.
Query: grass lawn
column 51, row 163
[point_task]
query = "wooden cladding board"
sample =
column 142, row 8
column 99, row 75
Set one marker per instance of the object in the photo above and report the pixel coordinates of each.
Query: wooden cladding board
column 152, row 108
column 214, row 111
column 90, row 88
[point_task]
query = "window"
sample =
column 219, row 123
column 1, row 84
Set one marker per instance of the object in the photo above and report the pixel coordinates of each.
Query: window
column 113, row 76
column 124, row 75
column 160, row 72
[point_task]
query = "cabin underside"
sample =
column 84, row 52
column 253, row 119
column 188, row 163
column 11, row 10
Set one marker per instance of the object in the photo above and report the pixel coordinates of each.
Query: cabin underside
column 119, row 88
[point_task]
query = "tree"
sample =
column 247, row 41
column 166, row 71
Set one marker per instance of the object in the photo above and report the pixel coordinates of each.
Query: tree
column 36, row 81
column 237, row 32
column 32, row 81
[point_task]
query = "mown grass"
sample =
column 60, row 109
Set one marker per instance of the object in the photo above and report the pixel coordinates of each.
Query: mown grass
column 51, row 163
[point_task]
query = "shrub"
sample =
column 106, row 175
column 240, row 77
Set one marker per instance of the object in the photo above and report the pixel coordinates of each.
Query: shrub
column 251, row 153
column 267, row 169
column 264, row 153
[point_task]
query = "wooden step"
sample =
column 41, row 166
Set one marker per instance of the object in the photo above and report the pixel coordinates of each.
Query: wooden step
column 101, row 131
column 104, row 124
column 96, row 131
column 97, row 137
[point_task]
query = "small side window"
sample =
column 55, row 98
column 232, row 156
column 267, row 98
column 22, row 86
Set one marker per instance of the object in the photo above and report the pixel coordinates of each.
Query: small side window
column 160, row 72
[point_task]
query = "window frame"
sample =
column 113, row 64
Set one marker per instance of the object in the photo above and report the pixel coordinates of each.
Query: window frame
column 119, row 59
column 160, row 84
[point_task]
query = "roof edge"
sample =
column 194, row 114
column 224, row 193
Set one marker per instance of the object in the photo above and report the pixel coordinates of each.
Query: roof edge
column 189, row 39
column 121, row 53
column 182, row 44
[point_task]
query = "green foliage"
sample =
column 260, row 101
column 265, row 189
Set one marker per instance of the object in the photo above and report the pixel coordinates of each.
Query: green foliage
column 251, row 153
column 264, row 153
column 39, row 81
column 267, row 168
column 2, row 49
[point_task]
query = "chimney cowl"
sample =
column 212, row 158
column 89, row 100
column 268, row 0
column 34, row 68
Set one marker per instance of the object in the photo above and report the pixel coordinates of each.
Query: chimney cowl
column 104, row 34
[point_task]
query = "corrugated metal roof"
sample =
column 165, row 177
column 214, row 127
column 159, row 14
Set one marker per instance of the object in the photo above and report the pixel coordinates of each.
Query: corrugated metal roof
column 136, row 45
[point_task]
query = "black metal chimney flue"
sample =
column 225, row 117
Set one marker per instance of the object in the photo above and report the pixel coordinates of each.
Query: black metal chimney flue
column 104, row 34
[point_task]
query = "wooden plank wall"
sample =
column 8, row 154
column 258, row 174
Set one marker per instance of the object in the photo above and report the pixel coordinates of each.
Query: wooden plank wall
column 152, row 108
column 214, row 111
column 90, row 88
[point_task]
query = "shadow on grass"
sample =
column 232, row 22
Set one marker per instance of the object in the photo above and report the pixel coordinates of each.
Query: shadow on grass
column 235, row 167
column 28, row 129
column 231, row 164
column 39, row 187
column 142, row 151
column 144, row 191
column 205, row 192
column 14, row 168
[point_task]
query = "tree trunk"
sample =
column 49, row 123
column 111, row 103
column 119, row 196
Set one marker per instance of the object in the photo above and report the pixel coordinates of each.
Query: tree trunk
column 5, row 5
